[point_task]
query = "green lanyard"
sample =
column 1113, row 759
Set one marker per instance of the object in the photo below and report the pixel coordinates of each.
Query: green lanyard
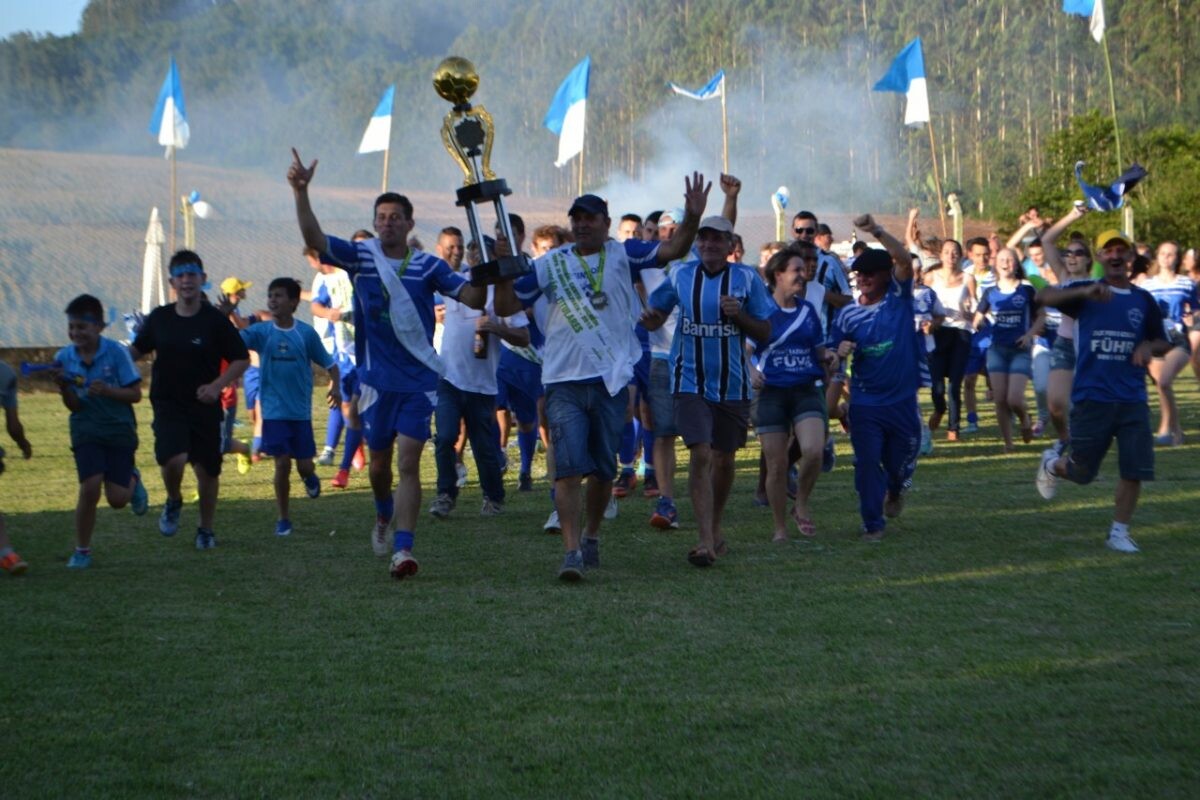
column 597, row 280
column 399, row 273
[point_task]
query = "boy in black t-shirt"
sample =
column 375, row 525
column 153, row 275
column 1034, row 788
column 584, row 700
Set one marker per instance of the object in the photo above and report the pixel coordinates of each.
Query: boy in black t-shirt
column 190, row 338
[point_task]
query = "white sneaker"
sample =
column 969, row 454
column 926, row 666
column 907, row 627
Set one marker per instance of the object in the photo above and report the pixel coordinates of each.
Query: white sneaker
column 1121, row 542
column 403, row 565
column 610, row 510
column 552, row 526
column 1047, row 481
column 461, row 469
column 326, row 457
column 379, row 537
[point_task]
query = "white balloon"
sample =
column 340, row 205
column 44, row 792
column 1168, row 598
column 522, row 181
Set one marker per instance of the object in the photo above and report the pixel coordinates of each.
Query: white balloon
column 202, row 208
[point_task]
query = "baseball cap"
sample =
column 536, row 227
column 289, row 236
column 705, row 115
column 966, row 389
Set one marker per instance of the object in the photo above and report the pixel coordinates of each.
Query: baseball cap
column 1110, row 235
column 873, row 260
column 717, row 223
column 672, row 216
column 231, row 286
column 589, row 204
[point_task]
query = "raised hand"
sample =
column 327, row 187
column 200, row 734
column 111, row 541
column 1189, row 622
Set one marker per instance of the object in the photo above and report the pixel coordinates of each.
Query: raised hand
column 730, row 185
column 864, row 222
column 298, row 175
column 695, row 198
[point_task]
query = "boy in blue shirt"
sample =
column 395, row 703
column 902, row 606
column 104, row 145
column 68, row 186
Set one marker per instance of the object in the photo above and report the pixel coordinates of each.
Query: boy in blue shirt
column 99, row 385
column 1118, row 330
column 10, row 562
column 285, row 346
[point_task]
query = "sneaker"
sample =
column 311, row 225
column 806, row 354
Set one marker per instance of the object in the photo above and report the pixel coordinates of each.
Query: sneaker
column 140, row 501
column 403, row 565
column 872, row 537
column 572, row 567
column 1121, row 542
column 893, row 505
column 312, row 485
column 205, row 539
column 1039, row 427
column 625, row 483
column 379, row 536
column 462, row 474
column 341, row 480
column 168, row 522
column 283, row 527
column 359, row 459
column 972, row 427
column 926, row 442
column 665, row 516
column 442, row 506
column 650, row 485
column 244, row 463
column 591, row 552
column 610, row 510
column 491, row 508
column 326, row 457
column 525, row 482
column 552, row 525
column 828, row 458
column 79, row 560
column 1047, row 481
column 13, row 564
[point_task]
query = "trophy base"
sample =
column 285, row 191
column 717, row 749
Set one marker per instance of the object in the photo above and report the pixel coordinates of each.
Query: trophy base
column 499, row 269
column 483, row 192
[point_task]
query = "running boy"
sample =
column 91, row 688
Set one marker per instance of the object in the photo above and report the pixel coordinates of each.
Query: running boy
column 285, row 346
column 99, row 385
column 10, row 562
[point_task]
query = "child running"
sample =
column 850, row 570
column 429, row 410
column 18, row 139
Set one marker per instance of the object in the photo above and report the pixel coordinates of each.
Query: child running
column 10, row 562
column 99, row 386
column 285, row 346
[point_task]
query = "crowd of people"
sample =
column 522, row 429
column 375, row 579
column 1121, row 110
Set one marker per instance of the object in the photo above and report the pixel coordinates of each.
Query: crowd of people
column 610, row 346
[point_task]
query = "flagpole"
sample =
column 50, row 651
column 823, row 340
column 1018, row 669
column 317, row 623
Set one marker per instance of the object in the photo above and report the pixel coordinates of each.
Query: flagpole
column 174, row 204
column 937, row 180
column 386, row 152
column 724, row 132
column 1112, row 101
column 580, row 186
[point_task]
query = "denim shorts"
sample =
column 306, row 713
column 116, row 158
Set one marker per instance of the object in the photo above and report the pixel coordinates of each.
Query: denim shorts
column 585, row 428
column 1094, row 425
column 1062, row 355
column 1005, row 359
column 779, row 408
column 662, row 402
column 288, row 437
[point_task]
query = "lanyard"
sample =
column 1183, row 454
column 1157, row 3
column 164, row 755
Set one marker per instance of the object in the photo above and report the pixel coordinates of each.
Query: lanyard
column 594, row 280
column 399, row 272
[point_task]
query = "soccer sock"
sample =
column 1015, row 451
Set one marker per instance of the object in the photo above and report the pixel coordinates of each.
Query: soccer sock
column 628, row 449
column 384, row 509
column 972, row 418
column 527, row 441
column 551, row 494
column 1119, row 528
column 354, row 438
column 648, row 448
column 257, row 445
column 83, row 551
column 402, row 540
column 336, row 423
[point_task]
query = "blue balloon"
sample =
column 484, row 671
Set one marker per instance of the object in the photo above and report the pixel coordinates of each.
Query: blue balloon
column 194, row 197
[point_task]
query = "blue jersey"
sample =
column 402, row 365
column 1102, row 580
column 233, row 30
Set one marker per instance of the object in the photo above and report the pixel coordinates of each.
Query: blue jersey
column 707, row 349
column 284, row 355
column 1175, row 297
column 1106, row 334
column 1012, row 312
column 886, row 359
column 790, row 357
column 102, row 420
column 384, row 363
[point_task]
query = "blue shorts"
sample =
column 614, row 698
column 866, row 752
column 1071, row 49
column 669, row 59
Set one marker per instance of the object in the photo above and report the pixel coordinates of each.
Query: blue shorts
column 115, row 463
column 1062, row 354
column 1008, row 360
column 660, row 399
column 585, row 428
column 348, row 383
column 288, row 437
column 781, row 407
column 641, row 375
column 250, row 385
column 976, row 361
column 385, row 414
column 518, row 386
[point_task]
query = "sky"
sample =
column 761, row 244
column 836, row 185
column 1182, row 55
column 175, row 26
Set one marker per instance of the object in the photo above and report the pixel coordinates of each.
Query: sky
column 60, row 17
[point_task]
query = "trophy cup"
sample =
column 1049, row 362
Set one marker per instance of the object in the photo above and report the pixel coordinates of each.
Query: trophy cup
column 467, row 132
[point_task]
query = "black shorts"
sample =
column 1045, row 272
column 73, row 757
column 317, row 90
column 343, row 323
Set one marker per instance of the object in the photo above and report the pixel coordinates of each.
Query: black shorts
column 720, row 425
column 197, row 433
column 113, row 462
column 1094, row 425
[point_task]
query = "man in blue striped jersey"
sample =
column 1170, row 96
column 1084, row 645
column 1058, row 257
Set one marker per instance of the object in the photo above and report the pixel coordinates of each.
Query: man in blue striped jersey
column 720, row 304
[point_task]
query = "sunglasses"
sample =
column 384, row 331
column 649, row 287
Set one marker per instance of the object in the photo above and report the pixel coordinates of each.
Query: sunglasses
column 1076, row 252
column 804, row 231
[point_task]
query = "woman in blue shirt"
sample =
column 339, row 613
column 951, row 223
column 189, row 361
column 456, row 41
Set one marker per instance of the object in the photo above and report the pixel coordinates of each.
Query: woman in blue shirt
column 1176, row 298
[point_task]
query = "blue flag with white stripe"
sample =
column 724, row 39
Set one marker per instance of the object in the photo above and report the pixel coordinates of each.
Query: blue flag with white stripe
column 1093, row 10
column 714, row 88
column 568, row 111
column 169, row 122
column 378, row 134
column 906, row 75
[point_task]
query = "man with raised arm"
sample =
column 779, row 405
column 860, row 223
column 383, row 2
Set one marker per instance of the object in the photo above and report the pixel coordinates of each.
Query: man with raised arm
column 885, row 425
column 590, row 352
column 399, row 370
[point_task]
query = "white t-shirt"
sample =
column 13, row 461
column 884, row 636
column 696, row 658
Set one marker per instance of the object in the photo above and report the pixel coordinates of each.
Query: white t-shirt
column 463, row 369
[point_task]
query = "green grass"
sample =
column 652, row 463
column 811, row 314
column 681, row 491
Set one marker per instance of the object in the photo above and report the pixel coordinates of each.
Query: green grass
column 989, row 647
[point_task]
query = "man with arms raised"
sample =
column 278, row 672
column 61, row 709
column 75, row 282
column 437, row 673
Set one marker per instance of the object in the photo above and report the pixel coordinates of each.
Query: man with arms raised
column 399, row 370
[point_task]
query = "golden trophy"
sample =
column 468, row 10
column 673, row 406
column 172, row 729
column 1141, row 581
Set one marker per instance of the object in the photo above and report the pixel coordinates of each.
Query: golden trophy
column 467, row 133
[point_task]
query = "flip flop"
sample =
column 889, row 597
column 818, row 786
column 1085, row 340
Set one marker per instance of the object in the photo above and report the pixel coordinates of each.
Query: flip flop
column 700, row 557
column 804, row 524
column 721, row 548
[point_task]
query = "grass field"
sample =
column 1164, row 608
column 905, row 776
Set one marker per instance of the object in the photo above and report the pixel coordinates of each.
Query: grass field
column 990, row 646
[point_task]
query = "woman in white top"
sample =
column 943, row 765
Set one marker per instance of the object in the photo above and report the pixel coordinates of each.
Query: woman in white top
column 952, row 340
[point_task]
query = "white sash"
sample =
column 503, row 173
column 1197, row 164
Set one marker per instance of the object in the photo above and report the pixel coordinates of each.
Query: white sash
column 406, row 323
column 593, row 336
column 800, row 316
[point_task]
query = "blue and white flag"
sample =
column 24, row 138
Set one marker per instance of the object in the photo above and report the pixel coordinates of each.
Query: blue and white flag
column 1093, row 10
column 907, row 76
column 714, row 88
column 169, row 122
column 567, row 112
column 378, row 134
column 1111, row 197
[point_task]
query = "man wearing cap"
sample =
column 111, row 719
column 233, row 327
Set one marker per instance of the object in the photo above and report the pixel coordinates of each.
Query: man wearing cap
column 398, row 368
column 720, row 304
column 1118, row 330
column 190, row 338
column 885, row 425
column 590, row 352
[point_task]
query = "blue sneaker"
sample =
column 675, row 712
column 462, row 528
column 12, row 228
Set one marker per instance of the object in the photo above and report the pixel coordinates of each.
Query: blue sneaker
column 168, row 523
column 79, row 560
column 572, row 567
column 283, row 527
column 828, row 456
column 140, row 501
column 591, row 552
column 205, row 539
column 665, row 516
column 312, row 485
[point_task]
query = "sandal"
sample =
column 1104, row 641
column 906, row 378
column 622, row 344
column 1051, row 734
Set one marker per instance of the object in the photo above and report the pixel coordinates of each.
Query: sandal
column 804, row 524
column 700, row 556
column 721, row 548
